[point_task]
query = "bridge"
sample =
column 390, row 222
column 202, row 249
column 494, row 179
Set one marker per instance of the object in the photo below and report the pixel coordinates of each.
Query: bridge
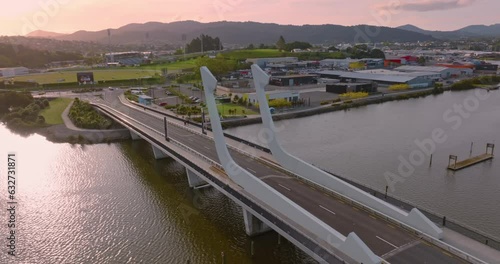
column 328, row 219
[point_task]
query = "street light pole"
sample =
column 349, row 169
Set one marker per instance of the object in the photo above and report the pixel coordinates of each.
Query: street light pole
column 201, row 37
column 165, row 126
column 203, row 121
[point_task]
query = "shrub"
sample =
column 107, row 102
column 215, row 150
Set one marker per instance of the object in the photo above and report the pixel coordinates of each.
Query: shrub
column 84, row 115
column 353, row 95
column 399, row 87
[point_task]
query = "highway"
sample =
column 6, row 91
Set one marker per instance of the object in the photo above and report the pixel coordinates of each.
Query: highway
column 392, row 243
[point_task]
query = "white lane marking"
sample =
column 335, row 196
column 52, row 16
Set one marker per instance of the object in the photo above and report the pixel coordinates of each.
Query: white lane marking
column 251, row 170
column 386, row 241
column 326, row 209
column 190, row 139
column 206, row 147
column 288, row 189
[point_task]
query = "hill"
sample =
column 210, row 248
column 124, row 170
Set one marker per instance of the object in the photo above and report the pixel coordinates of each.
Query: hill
column 244, row 33
column 43, row 34
column 466, row 32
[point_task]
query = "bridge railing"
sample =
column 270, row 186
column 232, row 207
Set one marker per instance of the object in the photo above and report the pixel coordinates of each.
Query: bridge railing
column 430, row 239
column 454, row 225
column 309, row 242
column 246, row 142
column 210, row 161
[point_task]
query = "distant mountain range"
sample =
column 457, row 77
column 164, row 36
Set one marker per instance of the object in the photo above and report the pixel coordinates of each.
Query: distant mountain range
column 44, row 34
column 466, row 32
column 244, row 33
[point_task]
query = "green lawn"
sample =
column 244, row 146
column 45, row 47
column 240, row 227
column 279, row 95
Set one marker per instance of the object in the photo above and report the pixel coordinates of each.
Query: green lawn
column 256, row 53
column 178, row 65
column 99, row 75
column 240, row 110
column 52, row 114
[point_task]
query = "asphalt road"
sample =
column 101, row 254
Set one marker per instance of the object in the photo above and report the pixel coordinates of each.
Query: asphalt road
column 380, row 236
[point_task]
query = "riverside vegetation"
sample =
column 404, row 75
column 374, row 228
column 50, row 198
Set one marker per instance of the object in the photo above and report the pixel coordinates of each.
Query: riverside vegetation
column 85, row 116
column 21, row 112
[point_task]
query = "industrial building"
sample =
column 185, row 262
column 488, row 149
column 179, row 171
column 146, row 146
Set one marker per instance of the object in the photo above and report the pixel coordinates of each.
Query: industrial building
column 443, row 71
column 293, row 80
column 381, row 79
column 291, row 96
column 426, row 75
column 263, row 62
column 15, row 71
column 125, row 58
column 486, row 68
column 337, row 63
column 340, row 88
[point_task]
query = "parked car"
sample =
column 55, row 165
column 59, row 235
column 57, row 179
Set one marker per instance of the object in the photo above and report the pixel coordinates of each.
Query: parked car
column 163, row 104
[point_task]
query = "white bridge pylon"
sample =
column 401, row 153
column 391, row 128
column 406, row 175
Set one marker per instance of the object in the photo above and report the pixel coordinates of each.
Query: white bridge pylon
column 309, row 172
column 351, row 245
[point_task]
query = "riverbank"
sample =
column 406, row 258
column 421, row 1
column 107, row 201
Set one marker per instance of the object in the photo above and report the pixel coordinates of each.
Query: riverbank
column 69, row 133
column 346, row 105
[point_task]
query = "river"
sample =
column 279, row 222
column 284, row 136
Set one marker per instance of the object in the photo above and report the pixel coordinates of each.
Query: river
column 114, row 203
column 370, row 143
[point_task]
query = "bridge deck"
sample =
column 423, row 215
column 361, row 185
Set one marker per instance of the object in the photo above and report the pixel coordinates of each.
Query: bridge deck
column 379, row 235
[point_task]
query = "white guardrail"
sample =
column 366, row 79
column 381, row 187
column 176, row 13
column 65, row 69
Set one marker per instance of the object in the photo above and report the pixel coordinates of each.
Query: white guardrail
column 212, row 162
column 424, row 236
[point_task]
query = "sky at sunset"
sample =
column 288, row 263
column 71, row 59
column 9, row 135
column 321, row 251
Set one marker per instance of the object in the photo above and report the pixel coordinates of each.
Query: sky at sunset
column 68, row 16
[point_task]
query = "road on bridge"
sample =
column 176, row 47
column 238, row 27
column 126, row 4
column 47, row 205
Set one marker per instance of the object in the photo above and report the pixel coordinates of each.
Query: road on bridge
column 392, row 243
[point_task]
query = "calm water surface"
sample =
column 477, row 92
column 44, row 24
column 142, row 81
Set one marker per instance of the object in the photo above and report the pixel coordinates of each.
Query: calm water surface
column 365, row 143
column 116, row 204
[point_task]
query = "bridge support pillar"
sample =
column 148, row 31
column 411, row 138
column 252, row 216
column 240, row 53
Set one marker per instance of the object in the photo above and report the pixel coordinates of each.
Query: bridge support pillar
column 253, row 226
column 158, row 153
column 134, row 136
column 193, row 179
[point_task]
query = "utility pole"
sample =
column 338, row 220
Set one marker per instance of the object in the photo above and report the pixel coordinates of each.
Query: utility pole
column 203, row 121
column 201, row 37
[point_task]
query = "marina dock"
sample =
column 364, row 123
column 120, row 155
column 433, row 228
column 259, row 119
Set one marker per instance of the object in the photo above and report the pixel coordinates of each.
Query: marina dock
column 471, row 161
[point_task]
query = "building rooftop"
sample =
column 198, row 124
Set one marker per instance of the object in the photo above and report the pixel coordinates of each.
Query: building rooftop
column 295, row 76
column 421, row 68
column 398, row 73
column 371, row 76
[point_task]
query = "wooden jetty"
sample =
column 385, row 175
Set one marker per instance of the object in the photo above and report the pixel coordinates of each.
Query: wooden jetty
column 471, row 161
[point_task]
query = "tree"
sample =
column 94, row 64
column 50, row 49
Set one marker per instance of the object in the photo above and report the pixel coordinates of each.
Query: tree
column 297, row 45
column 179, row 52
column 376, row 53
column 251, row 46
column 421, row 60
column 208, row 42
column 281, row 44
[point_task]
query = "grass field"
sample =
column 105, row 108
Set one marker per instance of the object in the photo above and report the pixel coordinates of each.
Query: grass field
column 256, row 53
column 240, row 110
column 99, row 75
column 52, row 114
column 178, row 65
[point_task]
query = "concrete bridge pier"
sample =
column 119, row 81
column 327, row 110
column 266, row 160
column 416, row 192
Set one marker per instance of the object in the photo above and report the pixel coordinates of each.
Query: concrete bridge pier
column 193, row 179
column 253, row 226
column 158, row 153
column 134, row 136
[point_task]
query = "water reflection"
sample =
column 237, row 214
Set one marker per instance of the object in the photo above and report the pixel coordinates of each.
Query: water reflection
column 114, row 203
column 366, row 143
